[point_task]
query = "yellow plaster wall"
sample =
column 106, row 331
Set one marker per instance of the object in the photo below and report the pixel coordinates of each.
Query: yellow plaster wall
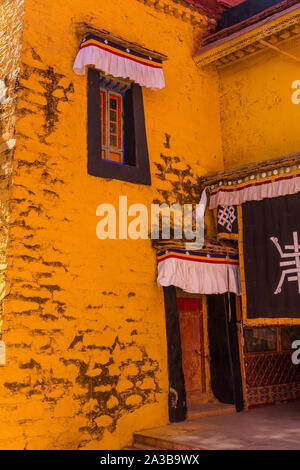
column 258, row 119
column 84, row 319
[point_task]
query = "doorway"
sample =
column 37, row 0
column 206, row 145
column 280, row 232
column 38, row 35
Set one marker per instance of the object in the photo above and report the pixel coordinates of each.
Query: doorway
column 225, row 365
column 192, row 323
column 203, row 352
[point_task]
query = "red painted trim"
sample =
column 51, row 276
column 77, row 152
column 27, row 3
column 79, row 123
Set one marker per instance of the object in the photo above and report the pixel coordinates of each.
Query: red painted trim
column 103, row 117
column 202, row 352
column 230, row 190
column 123, row 88
column 249, row 23
column 115, row 86
column 189, row 304
column 210, row 10
column 108, row 83
column 118, row 123
column 208, row 260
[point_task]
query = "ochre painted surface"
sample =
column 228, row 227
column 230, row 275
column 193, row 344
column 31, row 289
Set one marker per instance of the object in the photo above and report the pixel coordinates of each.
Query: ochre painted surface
column 84, row 319
column 259, row 120
column 11, row 18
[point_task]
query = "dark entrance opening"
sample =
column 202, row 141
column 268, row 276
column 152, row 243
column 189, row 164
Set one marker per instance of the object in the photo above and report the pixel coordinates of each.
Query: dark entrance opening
column 226, row 380
column 225, row 370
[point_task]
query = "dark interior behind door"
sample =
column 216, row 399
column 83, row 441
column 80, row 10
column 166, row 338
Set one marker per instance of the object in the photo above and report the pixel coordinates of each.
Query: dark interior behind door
column 226, row 381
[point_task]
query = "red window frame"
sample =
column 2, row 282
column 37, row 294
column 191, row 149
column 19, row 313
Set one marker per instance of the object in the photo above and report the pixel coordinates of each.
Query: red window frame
column 109, row 151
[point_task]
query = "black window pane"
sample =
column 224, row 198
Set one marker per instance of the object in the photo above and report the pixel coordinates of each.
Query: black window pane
column 113, row 115
column 260, row 340
column 113, row 128
column 288, row 335
column 113, row 103
column 113, row 140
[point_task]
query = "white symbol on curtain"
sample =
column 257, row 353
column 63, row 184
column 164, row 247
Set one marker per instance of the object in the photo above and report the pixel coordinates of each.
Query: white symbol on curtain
column 226, row 217
column 292, row 274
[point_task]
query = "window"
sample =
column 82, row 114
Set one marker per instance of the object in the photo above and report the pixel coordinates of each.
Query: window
column 258, row 340
column 270, row 339
column 112, row 135
column 117, row 144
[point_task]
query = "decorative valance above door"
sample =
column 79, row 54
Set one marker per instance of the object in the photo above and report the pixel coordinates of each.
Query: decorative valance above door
column 120, row 61
column 199, row 272
column 255, row 187
column 263, row 199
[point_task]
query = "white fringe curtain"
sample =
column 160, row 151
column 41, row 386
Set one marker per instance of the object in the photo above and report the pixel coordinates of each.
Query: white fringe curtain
column 120, row 62
column 231, row 195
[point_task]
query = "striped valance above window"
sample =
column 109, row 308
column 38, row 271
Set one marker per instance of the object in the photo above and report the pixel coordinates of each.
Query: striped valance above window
column 119, row 61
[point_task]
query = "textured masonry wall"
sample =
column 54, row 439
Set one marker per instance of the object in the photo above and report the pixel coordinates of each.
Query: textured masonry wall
column 11, row 25
column 259, row 120
column 84, row 319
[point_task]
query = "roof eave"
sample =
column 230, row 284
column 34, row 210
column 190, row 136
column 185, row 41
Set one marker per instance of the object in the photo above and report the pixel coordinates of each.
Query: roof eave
column 250, row 168
column 238, row 41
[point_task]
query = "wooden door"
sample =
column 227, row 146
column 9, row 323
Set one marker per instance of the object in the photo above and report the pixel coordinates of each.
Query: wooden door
column 190, row 312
